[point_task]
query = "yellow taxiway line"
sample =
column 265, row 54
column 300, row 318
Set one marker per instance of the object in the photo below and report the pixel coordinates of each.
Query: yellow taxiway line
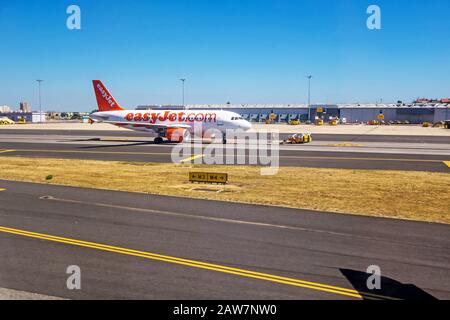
column 87, row 152
column 1, row 189
column 189, row 159
column 364, row 159
column 447, row 163
column 198, row 264
column 345, row 145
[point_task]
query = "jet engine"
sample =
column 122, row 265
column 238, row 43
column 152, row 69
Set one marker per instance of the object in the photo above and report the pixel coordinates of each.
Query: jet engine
column 177, row 135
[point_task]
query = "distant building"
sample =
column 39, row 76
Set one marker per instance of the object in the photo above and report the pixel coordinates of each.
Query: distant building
column 5, row 109
column 353, row 112
column 148, row 107
column 25, row 107
column 57, row 115
column 32, row 117
column 422, row 101
column 426, row 101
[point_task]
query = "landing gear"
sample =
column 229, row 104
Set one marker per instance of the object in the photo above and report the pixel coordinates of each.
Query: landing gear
column 158, row 140
column 224, row 139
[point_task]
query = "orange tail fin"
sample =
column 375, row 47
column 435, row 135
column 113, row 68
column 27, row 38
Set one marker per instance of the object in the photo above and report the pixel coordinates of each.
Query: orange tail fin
column 105, row 100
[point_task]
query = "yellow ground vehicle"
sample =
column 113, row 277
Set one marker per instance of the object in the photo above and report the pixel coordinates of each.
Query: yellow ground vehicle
column 6, row 121
column 334, row 122
column 271, row 119
column 319, row 122
column 294, row 122
column 299, row 138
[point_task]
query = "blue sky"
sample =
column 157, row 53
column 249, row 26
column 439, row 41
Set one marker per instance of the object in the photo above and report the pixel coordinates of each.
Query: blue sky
column 242, row 51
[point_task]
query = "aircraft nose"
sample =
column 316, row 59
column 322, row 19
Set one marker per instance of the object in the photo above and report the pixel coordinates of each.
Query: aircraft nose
column 246, row 125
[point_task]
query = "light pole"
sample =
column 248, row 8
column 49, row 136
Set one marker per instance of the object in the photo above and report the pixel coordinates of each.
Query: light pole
column 40, row 101
column 309, row 96
column 183, row 80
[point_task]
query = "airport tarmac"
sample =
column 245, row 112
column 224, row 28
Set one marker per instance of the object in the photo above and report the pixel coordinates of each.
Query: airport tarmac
column 351, row 136
column 352, row 129
column 427, row 153
column 139, row 246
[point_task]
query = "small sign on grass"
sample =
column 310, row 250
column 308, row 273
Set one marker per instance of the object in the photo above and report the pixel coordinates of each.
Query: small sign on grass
column 207, row 177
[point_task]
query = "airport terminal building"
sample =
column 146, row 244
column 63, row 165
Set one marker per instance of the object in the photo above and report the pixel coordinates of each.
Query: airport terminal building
column 352, row 113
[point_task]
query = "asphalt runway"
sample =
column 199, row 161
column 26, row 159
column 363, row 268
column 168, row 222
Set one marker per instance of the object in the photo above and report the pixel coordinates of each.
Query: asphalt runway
column 325, row 137
column 138, row 246
column 346, row 152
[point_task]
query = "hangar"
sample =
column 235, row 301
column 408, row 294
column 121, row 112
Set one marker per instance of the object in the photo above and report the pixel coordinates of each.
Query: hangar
column 353, row 113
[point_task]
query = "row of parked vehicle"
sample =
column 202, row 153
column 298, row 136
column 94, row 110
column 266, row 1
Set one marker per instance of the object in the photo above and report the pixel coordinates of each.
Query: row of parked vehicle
column 7, row 121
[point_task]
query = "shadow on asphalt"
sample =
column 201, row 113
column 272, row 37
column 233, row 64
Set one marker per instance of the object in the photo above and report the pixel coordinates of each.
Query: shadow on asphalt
column 389, row 287
column 119, row 145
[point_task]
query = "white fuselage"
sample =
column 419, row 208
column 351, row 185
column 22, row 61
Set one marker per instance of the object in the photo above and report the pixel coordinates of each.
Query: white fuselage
column 153, row 121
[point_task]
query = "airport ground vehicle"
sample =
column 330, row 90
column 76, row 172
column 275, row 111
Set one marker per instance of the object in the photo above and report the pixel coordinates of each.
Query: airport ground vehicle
column 298, row 138
column 447, row 124
column 271, row 119
column 6, row 121
column 173, row 125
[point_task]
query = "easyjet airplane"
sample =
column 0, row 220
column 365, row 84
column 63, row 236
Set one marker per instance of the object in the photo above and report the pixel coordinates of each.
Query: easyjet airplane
column 173, row 125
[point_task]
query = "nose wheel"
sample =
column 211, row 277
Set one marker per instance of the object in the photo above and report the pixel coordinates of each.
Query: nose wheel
column 158, row 140
column 224, row 139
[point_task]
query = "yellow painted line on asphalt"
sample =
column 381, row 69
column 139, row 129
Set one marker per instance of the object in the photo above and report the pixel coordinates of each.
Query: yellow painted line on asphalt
column 1, row 189
column 364, row 159
column 447, row 163
column 89, row 152
column 197, row 264
column 192, row 158
column 6, row 151
column 345, row 145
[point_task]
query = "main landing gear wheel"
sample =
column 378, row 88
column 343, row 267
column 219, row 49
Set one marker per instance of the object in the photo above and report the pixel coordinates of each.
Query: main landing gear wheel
column 224, row 139
column 158, row 140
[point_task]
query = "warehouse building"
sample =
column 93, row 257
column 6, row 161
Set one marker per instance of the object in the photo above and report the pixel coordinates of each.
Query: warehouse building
column 352, row 113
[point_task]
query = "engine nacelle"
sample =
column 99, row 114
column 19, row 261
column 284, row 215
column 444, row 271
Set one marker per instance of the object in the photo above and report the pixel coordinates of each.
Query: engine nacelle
column 177, row 135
